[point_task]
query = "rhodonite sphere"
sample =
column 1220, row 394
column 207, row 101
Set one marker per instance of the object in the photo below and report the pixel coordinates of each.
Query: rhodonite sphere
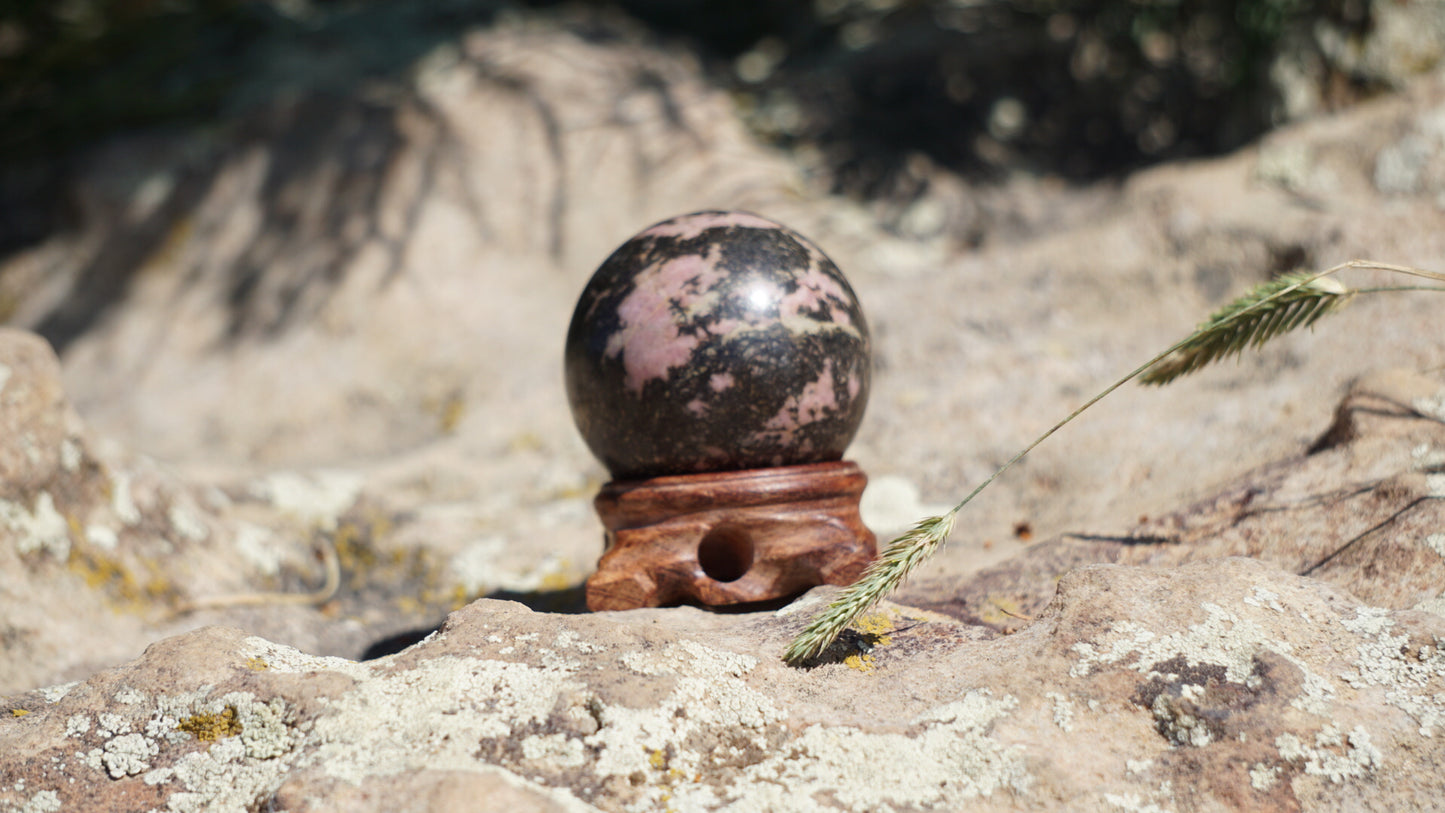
column 716, row 341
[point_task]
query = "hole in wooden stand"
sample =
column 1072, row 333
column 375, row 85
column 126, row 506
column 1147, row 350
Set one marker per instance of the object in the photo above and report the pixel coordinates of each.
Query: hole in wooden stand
column 725, row 554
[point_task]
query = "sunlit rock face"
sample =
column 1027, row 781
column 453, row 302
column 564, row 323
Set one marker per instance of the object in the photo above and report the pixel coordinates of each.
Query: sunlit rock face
column 717, row 341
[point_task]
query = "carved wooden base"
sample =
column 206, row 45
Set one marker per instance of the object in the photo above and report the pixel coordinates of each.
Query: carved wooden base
column 730, row 537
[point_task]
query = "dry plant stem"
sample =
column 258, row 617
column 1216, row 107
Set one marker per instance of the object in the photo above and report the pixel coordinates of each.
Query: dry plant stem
column 328, row 590
column 1279, row 306
column 911, row 549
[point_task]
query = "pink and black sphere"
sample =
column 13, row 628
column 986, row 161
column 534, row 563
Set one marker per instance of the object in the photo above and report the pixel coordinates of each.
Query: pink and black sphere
column 717, row 341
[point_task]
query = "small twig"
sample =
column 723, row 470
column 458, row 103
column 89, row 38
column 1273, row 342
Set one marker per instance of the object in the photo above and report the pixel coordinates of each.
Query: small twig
column 1001, row 609
column 318, row 597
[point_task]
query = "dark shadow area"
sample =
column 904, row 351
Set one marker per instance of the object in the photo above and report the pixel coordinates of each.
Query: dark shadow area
column 566, row 601
column 742, row 608
column 392, row 644
column 849, row 642
column 1081, row 89
column 1121, row 539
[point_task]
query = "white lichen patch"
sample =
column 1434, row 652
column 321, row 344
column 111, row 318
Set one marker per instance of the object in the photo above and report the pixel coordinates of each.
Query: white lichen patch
column 569, row 639
column 474, row 567
column 130, row 696
column 76, row 725
column 1436, row 542
column 188, row 523
column 109, row 725
column 689, row 657
column 221, row 779
column 229, row 774
column 1223, row 639
column 101, row 537
column 709, row 695
column 259, row 547
column 554, row 749
column 1434, row 605
column 263, row 729
column 1431, row 406
column 40, row 528
column 54, row 694
column 1333, row 756
column 1262, row 776
column 1435, row 485
column 318, row 497
column 946, row 761
column 477, row 569
column 122, row 502
column 45, row 801
column 1133, row 803
column 432, row 716
column 1264, row 598
column 159, row 776
column 285, row 659
column 70, row 454
column 128, row 755
column 1414, row 683
column 1063, row 711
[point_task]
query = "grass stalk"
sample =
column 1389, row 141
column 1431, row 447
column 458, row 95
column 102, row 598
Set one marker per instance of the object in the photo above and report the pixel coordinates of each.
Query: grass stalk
column 1287, row 303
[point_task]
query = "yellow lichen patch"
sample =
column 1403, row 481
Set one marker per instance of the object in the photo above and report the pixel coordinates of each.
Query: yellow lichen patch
column 658, row 759
column 18, row 712
column 558, row 579
column 257, row 664
column 860, row 662
column 452, row 410
column 525, row 442
column 111, row 575
column 209, row 727
column 459, row 598
column 354, row 552
column 357, row 544
column 876, row 626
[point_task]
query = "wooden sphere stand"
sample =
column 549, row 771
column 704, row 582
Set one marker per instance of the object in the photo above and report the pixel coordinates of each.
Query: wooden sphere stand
column 730, row 537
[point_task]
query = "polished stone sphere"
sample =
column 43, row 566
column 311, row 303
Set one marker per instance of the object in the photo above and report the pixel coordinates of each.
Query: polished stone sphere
column 716, row 341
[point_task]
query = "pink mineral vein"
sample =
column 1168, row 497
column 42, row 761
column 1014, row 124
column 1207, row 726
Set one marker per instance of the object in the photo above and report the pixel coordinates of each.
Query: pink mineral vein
column 817, row 398
column 816, row 289
column 649, row 340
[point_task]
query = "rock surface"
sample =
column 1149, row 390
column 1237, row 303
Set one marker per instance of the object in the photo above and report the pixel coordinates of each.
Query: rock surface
column 1219, row 684
column 313, row 424
column 1362, row 509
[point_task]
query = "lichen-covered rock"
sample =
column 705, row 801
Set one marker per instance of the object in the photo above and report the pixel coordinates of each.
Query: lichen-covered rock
column 103, row 551
column 41, row 431
column 1225, row 684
